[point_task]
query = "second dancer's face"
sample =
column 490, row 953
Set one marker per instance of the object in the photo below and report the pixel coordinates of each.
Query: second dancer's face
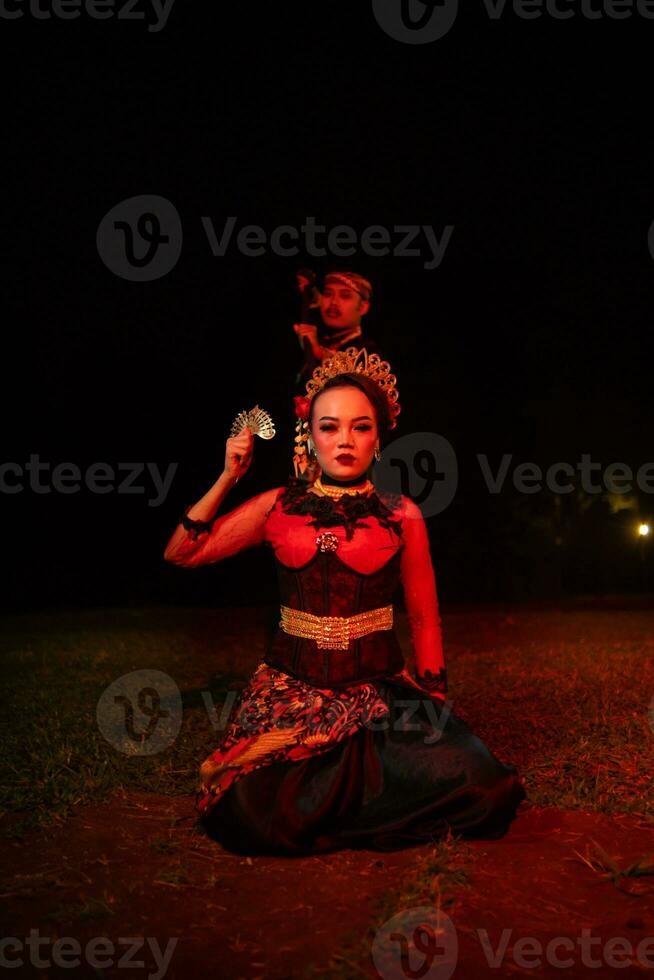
column 344, row 432
column 341, row 307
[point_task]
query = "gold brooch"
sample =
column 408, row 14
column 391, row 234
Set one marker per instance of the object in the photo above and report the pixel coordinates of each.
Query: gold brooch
column 327, row 541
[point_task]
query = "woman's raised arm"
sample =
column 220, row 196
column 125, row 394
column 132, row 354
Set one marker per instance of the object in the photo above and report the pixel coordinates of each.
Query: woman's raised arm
column 202, row 537
column 228, row 534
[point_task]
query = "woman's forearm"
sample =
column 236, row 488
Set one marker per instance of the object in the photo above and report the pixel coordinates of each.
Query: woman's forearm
column 207, row 506
column 203, row 510
column 420, row 594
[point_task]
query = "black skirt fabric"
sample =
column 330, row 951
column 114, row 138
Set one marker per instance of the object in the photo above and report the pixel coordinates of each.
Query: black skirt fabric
column 403, row 781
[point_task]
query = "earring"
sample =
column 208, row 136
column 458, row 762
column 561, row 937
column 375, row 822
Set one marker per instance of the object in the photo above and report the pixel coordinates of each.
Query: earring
column 311, row 447
column 377, row 454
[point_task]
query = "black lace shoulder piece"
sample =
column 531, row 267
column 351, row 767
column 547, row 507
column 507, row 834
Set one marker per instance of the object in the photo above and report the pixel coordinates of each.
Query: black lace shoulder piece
column 348, row 511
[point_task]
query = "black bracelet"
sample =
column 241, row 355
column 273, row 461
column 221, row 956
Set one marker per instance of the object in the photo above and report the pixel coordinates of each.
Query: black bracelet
column 196, row 527
column 433, row 682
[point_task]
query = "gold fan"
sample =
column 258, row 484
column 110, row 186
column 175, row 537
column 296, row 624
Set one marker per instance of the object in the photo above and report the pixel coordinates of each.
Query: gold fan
column 257, row 420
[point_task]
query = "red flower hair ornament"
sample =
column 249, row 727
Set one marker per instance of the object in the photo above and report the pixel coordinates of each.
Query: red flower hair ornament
column 302, row 407
column 303, row 465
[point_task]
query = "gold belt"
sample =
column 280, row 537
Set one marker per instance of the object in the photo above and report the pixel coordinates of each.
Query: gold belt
column 335, row 632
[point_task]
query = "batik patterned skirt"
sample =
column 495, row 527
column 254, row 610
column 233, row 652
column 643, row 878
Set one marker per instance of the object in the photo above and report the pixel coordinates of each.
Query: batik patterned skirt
column 304, row 770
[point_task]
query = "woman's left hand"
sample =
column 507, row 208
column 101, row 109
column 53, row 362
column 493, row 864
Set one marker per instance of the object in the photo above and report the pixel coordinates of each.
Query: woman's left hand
column 413, row 682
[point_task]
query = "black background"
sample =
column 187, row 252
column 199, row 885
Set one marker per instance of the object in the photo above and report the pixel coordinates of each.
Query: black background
column 533, row 337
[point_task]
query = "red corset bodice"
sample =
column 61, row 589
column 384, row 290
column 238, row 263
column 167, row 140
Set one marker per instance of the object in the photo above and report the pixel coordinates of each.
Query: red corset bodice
column 326, row 586
column 378, row 545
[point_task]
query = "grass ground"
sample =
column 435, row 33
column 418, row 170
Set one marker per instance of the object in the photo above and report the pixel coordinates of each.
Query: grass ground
column 562, row 693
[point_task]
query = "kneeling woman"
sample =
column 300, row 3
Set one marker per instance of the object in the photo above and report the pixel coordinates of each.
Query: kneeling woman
column 332, row 743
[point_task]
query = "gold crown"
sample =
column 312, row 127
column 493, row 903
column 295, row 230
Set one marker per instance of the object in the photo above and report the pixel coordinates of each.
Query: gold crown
column 353, row 361
column 349, row 361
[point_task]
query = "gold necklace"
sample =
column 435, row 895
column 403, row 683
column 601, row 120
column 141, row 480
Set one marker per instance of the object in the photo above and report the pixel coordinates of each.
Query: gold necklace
column 340, row 491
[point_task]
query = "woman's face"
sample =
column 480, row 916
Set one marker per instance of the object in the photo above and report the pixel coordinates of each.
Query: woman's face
column 344, row 432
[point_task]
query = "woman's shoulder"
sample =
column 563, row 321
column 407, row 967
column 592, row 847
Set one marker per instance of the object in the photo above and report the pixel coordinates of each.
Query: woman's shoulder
column 410, row 509
column 397, row 502
column 403, row 508
column 276, row 495
column 263, row 502
column 264, row 495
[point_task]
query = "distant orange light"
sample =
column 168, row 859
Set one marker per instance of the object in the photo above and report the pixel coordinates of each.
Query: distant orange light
column 643, row 530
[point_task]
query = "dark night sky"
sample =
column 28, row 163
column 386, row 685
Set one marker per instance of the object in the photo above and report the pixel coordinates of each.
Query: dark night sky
column 532, row 138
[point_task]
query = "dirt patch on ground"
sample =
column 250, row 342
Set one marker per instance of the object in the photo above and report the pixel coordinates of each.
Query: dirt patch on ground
column 534, row 883
column 138, row 866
